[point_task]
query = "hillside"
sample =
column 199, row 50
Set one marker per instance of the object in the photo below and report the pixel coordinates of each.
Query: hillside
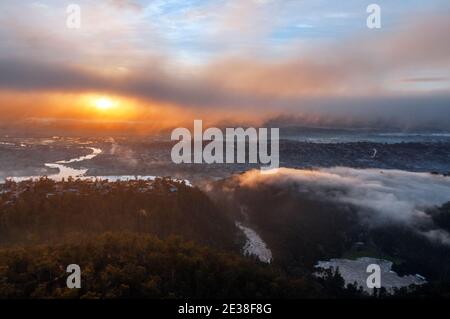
column 49, row 211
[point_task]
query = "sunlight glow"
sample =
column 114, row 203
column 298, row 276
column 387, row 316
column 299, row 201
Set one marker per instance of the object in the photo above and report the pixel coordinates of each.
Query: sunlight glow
column 104, row 104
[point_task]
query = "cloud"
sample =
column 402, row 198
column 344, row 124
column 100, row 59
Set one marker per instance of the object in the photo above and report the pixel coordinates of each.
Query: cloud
column 127, row 4
column 438, row 235
column 382, row 197
column 127, row 54
column 427, row 79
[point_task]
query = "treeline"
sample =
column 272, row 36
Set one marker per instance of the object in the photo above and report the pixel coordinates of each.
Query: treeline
column 46, row 211
column 121, row 234
column 441, row 216
column 126, row 265
column 302, row 228
column 130, row 265
column 299, row 229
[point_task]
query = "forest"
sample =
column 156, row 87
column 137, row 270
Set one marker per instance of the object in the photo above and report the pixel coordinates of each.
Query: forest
column 46, row 211
column 316, row 229
column 165, row 239
column 130, row 265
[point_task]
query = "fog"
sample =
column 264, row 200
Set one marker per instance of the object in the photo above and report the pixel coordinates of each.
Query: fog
column 382, row 197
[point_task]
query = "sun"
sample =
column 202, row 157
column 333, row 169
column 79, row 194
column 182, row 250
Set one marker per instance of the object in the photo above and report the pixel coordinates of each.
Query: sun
column 104, row 104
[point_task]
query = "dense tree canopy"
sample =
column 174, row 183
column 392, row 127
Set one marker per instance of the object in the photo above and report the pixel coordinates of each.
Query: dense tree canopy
column 126, row 265
column 166, row 239
column 49, row 211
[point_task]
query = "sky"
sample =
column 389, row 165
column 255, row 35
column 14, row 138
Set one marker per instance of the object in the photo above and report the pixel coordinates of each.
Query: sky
column 163, row 63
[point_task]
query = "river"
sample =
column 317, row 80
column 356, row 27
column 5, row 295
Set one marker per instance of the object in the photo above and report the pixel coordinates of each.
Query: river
column 255, row 245
column 64, row 171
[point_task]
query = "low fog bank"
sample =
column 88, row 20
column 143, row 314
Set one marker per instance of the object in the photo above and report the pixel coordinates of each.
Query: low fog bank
column 381, row 197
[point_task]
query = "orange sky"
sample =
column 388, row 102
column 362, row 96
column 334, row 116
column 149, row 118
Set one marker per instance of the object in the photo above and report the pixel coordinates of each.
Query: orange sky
column 166, row 64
